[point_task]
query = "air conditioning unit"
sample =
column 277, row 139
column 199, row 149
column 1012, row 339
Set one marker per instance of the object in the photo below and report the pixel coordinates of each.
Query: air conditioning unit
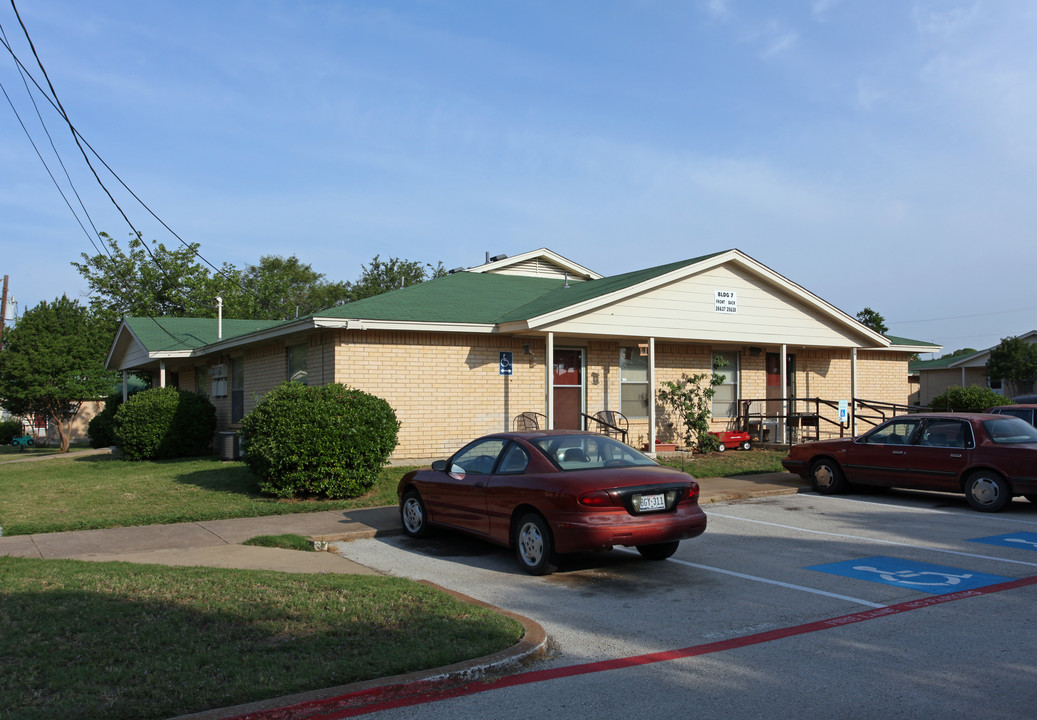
column 218, row 371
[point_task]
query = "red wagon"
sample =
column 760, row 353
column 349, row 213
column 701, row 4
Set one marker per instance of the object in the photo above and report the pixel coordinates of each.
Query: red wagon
column 731, row 440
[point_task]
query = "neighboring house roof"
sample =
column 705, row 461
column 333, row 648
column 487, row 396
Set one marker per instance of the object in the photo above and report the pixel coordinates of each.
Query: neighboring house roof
column 504, row 297
column 169, row 337
column 976, row 359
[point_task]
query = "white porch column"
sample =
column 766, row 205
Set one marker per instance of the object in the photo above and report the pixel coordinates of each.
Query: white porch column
column 853, row 392
column 784, row 393
column 549, row 361
column 161, row 373
column 651, row 393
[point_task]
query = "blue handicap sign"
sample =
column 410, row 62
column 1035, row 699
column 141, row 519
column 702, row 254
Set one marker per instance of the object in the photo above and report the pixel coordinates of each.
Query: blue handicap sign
column 935, row 579
column 1019, row 540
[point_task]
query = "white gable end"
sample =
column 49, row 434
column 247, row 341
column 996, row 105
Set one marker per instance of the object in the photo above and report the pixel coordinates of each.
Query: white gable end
column 751, row 310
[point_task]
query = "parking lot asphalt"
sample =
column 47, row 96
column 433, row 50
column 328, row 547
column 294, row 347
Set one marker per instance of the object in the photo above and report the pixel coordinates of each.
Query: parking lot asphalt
column 217, row 543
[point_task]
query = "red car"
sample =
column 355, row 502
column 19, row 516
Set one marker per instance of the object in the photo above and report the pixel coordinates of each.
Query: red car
column 988, row 457
column 553, row 492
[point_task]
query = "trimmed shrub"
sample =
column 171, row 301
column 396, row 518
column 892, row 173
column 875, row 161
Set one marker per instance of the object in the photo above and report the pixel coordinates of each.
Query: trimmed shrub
column 101, row 428
column 968, row 399
column 9, row 430
column 164, row 423
column 328, row 440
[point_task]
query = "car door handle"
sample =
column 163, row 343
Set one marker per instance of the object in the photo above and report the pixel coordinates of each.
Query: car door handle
column 480, row 484
column 956, row 455
column 900, row 452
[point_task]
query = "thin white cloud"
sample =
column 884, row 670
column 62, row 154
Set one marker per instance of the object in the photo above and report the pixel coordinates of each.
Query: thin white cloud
column 945, row 22
column 716, row 9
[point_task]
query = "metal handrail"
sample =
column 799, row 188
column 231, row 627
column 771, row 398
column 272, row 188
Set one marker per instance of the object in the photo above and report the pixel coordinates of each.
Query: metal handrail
column 608, row 425
column 874, row 412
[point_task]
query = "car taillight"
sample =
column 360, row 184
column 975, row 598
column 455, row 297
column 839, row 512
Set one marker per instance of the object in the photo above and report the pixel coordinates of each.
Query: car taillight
column 598, row 498
column 693, row 494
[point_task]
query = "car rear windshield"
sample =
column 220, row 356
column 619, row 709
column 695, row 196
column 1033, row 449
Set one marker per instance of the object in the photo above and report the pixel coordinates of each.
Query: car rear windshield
column 1010, row 430
column 583, row 452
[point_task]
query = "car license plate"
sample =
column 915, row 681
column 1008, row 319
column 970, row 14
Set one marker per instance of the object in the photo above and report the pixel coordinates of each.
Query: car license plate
column 652, row 502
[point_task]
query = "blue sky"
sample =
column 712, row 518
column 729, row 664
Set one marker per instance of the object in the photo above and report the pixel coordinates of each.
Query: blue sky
column 880, row 153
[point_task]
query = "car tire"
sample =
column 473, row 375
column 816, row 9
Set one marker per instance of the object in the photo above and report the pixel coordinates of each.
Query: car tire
column 987, row 491
column 747, row 445
column 658, row 551
column 827, row 477
column 721, row 447
column 534, row 545
column 413, row 515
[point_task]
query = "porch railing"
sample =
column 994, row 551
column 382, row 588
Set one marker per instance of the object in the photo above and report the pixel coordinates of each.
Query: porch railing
column 811, row 418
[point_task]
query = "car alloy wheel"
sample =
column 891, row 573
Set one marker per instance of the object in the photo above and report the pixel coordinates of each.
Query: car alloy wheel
column 534, row 546
column 412, row 514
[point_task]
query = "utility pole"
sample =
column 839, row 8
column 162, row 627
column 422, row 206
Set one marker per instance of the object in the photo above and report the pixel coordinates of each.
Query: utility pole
column 3, row 313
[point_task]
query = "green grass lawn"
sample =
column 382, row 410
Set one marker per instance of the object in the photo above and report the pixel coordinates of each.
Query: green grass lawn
column 116, row 640
column 99, row 491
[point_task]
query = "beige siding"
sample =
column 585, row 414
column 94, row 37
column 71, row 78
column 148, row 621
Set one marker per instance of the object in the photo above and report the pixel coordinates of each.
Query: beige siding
column 536, row 267
column 687, row 309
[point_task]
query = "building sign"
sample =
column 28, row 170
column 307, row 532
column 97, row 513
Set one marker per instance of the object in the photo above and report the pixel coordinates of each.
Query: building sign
column 505, row 366
column 726, row 301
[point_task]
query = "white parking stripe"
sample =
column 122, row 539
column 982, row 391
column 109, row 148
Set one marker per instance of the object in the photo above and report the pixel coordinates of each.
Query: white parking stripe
column 877, row 541
column 768, row 581
column 1000, row 517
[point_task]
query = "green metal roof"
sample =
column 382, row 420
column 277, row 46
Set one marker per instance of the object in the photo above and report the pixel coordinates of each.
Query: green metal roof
column 490, row 298
column 169, row 334
column 912, row 343
column 462, row 297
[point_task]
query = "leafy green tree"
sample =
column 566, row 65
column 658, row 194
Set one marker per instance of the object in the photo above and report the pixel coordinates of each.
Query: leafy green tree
column 52, row 361
column 382, row 276
column 962, row 351
column 872, row 319
column 279, row 288
column 1014, row 360
column 149, row 280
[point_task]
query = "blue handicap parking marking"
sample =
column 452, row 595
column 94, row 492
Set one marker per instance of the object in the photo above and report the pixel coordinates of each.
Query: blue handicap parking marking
column 1019, row 540
column 935, row 579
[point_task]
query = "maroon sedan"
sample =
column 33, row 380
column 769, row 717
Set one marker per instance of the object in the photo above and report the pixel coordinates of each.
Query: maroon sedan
column 554, row 492
column 988, row 457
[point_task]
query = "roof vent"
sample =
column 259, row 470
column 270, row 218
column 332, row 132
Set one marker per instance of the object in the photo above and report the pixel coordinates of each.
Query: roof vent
column 455, row 270
column 495, row 258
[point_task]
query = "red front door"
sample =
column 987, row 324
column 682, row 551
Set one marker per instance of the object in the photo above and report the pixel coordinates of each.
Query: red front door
column 568, row 389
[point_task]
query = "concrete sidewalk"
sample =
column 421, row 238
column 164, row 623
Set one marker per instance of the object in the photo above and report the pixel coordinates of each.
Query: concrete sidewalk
column 217, row 543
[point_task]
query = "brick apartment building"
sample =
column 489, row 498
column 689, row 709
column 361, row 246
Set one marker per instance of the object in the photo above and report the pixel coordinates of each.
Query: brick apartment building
column 471, row 352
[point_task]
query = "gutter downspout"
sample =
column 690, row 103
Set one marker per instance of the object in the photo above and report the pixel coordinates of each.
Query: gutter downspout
column 651, row 394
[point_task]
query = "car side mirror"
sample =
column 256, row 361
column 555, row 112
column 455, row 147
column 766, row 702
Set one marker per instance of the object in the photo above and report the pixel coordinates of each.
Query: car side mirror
column 439, row 465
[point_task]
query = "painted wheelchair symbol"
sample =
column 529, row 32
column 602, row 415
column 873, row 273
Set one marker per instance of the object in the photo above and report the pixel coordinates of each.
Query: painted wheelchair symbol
column 906, row 577
column 1022, row 541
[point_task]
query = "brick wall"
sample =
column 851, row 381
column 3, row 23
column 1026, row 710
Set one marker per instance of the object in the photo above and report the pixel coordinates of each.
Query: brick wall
column 446, row 388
